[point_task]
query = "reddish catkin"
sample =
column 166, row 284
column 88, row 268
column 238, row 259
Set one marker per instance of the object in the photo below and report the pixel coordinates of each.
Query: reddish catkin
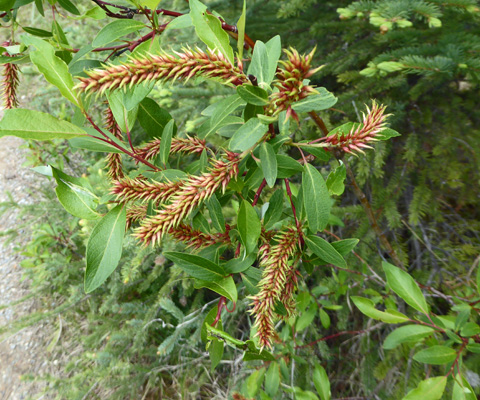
column 136, row 213
column 10, row 84
column 289, row 82
column 192, row 193
column 277, row 267
column 114, row 160
column 162, row 67
column 192, row 145
column 132, row 189
column 197, row 239
column 361, row 134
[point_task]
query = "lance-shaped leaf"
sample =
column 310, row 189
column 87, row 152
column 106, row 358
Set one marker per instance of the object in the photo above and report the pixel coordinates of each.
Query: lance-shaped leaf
column 209, row 29
column 224, row 287
column 196, row 266
column 405, row 287
column 53, row 68
column 166, row 142
column 253, row 95
column 407, row 333
column 317, row 102
column 268, row 162
column 104, row 247
column 428, row 389
column 115, row 30
column 316, row 198
column 436, row 355
column 124, row 118
column 462, row 389
column 248, row 225
column 35, row 125
column 325, row 251
column 367, row 307
column 321, row 382
column 219, row 113
column 216, row 214
column 153, row 118
column 241, row 30
column 74, row 197
column 248, row 134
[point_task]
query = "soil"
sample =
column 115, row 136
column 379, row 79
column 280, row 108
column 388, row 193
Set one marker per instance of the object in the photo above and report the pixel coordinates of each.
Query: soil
column 23, row 352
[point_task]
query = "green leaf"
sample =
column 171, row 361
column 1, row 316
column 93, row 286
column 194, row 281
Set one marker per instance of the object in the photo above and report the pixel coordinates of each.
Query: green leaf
column 436, row 355
column 96, row 13
column 104, row 247
column 405, row 287
column 367, row 307
column 220, row 112
column 336, row 178
column 53, row 68
column 35, row 125
column 325, row 251
column 216, row 214
column 428, row 389
column 248, row 134
column 69, row 6
column 287, row 166
column 386, row 134
column 124, row 118
column 306, row 319
column 407, row 333
column 268, row 163
column 236, row 265
column 259, row 64
column 316, row 102
column 151, row 4
column 321, row 382
column 241, row 30
column 133, row 96
column 152, row 117
column 345, row 246
column 76, row 199
column 93, row 144
column 6, row 5
column 462, row 389
column 166, row 142
column 115, row 30
column 272, row 379
column 253, row 95
column 209, row 30
column 324, row 318
column 316, row 198
column 264, row 60
column 254, row 381
column 224, row 287
column 215, row 350
column 37, row 32
column 196, row 266
column 275, row 209
column 181, row 22
column 248, row 225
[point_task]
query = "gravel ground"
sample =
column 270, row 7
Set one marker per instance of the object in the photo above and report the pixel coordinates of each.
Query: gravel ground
column 23, row 352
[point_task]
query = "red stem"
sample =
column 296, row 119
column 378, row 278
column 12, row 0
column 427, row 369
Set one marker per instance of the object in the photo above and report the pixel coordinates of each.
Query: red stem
column 259, row 192
column 111, row 142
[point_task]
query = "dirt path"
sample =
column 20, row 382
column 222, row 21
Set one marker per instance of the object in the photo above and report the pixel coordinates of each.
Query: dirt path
column 21, row 353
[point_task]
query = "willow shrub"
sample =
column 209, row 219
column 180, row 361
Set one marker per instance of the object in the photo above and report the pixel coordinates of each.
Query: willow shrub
column 252, row 203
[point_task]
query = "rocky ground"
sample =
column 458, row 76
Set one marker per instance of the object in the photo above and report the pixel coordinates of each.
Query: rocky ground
column 23, row 352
